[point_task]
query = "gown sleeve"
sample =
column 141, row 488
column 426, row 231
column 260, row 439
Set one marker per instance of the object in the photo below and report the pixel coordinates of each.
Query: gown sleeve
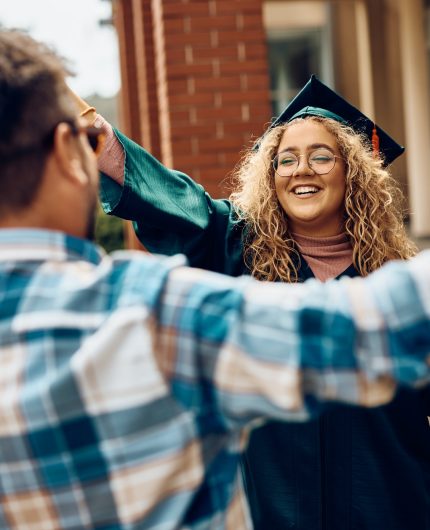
column 172, row 214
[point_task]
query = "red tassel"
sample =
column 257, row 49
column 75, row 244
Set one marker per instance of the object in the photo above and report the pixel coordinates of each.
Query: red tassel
column 375, row 142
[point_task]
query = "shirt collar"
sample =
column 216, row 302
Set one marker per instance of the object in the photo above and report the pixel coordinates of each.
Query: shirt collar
column 23, row 244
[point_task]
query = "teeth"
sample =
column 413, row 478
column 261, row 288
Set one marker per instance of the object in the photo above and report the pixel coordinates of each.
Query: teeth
column 301, row 190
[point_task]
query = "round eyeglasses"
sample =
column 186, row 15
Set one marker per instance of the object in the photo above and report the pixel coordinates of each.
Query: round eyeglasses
column 322, row 161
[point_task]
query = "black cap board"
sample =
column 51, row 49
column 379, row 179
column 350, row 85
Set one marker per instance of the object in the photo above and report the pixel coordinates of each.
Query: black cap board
column 317, row 99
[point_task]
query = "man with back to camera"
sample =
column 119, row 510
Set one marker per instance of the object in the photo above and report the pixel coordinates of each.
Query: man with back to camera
column 127, row 383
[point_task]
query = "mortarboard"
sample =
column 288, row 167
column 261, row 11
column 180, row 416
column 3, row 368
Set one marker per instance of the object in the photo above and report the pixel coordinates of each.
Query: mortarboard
column 317, row 99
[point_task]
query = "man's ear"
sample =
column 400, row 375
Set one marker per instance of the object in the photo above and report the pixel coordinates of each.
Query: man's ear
column 67, row 153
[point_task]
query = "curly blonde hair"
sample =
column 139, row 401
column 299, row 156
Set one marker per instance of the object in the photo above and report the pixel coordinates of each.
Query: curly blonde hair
column 373, row 208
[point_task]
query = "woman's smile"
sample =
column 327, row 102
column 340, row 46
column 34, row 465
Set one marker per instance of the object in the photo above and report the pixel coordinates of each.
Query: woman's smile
column 305, row 191
column 313, row 203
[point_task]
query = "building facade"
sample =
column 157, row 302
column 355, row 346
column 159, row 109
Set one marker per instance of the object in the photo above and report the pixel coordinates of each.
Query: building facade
column 201, row 79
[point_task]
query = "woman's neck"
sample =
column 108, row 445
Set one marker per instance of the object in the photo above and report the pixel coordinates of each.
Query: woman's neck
column 326, row 256
column 317, row 228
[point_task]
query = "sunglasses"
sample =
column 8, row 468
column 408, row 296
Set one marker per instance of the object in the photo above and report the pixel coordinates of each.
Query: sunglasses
column 95, row 135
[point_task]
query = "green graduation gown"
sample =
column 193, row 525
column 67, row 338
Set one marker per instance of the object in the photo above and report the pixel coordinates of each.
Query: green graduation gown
column 353, row 468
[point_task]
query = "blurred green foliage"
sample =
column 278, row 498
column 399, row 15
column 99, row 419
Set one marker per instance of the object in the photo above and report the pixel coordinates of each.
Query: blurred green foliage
column 109, row 231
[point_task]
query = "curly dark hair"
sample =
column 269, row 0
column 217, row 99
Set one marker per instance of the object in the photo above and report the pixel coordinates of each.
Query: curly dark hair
column 33, row 100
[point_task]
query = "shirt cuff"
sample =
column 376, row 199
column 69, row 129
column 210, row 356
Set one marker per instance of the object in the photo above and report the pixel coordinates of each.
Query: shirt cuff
column 112, row 158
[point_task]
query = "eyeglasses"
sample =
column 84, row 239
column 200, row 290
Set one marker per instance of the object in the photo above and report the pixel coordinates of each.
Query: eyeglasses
column 322, row 161
column 95, row 136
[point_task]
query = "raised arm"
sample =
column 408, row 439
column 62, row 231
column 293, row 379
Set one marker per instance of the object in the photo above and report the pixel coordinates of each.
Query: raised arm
column 171, row 213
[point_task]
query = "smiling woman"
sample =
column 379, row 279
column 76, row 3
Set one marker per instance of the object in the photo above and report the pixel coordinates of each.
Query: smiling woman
column 346, row 202
column 310, row 179
column 328, row 206
column 313, row 198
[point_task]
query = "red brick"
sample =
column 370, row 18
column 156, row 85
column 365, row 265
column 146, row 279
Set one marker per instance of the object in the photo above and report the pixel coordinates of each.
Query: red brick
column 203, row 99
column 242, row 128
column 252, row 21
column 225, row 144
column 214, row 175
column 178, row 86
column 258, row 113
column 203, row 53
column 207, row 128
column 227, row 22
column 233, row 113
column 246, row 96
column 178, row 130
column 181, row 70
column 238, row 7
column 257, row 81
column 175, row 56
column 248, row 67
column 167, row 2
column 184, row 39
column 177, row 9
column 181, row 159
column 179, row 116
column 242, row 36
column 255, row 50
column 184, row 145
column 213, row 178
column 173, row 26
column 202, row 36
column 220, row 83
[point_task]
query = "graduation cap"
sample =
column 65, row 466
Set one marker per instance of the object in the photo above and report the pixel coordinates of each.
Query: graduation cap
column 317, row 99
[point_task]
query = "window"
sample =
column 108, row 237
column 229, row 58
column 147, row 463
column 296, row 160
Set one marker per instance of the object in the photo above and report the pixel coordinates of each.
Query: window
column 299, row 45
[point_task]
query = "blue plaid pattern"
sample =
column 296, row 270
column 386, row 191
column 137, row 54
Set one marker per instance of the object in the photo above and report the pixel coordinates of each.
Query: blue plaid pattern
column 127, row 383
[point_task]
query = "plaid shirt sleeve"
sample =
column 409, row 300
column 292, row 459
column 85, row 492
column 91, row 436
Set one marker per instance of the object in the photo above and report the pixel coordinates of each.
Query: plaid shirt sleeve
column 125, row 383
column 279, row 350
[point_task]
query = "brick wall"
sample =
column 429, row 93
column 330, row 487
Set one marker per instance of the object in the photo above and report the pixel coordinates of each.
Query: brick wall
column 202, row 77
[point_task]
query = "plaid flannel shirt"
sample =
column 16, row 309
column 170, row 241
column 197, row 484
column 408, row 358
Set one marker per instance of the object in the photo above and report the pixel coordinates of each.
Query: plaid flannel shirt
column 127, row 382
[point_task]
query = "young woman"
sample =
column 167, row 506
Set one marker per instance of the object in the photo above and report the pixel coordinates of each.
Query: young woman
column 328, row 207
column 310, row 200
